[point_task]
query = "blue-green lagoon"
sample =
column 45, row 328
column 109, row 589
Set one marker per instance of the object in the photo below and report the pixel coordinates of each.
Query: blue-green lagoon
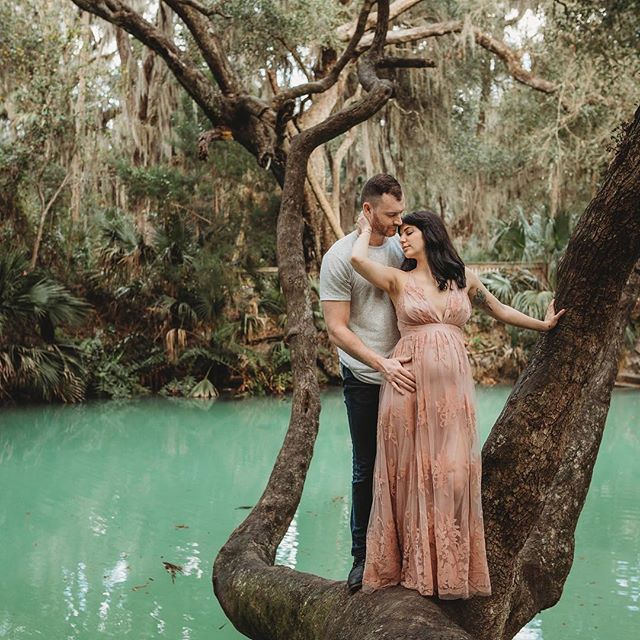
column 96, row 497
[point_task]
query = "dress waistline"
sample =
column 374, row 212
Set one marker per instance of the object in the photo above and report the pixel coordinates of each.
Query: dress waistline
column 418, row 329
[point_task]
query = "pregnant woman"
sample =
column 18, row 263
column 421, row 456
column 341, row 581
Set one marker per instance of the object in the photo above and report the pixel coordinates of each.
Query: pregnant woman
column 426, row 530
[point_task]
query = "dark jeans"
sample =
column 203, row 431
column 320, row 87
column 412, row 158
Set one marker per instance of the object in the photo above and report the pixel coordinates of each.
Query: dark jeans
column 361, row 400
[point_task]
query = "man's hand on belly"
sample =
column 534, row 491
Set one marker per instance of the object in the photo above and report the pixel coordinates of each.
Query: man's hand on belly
column 401, row 379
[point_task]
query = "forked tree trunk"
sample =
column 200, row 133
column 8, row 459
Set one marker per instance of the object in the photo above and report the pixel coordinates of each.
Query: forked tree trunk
column 537, row 461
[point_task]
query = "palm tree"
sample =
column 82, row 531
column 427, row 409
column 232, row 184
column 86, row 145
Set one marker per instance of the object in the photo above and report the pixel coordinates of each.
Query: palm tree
column 32, row 360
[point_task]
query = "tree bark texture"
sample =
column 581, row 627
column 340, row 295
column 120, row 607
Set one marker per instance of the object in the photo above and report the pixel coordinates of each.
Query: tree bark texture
column 539, row 457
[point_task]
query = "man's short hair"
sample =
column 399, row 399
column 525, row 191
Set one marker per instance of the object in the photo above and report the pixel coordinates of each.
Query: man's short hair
column 380, row 184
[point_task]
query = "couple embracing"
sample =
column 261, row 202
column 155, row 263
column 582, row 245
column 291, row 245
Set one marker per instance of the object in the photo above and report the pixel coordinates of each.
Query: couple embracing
column 395, row 296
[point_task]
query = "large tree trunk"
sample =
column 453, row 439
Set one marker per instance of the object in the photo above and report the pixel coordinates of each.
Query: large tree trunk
column 539, row 457
column 537, row 461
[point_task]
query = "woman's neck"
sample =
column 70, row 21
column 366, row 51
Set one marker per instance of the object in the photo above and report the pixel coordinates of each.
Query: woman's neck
column 422, row 266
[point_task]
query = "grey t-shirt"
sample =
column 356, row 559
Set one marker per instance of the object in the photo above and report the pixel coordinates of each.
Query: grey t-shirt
column 372, row 316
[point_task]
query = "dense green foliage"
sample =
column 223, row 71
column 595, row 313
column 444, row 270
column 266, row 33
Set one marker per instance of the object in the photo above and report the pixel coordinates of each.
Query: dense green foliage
column 32, row 357
column 164, row 252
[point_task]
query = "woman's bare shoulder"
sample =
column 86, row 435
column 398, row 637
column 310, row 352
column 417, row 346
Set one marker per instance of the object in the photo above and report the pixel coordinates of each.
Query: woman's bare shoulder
column 471, row 277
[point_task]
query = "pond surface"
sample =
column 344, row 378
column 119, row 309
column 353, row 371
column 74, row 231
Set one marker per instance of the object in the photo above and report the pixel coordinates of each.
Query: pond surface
column 95, row 498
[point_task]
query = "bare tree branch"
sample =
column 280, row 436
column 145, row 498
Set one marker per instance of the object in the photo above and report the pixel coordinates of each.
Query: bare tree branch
column 400, row 36
column 43, row 216
column 325, row 205
column 338, row 157
column 332, row 77
column 250, row 119
column 185, row 71
column 499, row 48
column 336, row 164
column 205, row 11
column 513, row 64
column 346, row 31
column 208, row 42
column 367, row 68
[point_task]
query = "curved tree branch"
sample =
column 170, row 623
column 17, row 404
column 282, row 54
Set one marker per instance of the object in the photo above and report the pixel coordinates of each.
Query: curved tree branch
column 345, row 31
column 325, row 205
column 205, row 11
column 512, row 62
column 188, row 75
column 250, row 121
column 331, row 78
column 413, row 34
column 499, row 48
column 336, row 164
column 547, row 554
column 201, row 29
column 539, row 456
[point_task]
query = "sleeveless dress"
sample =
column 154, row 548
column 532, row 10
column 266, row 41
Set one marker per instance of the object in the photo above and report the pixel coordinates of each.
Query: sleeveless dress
column 426, row 530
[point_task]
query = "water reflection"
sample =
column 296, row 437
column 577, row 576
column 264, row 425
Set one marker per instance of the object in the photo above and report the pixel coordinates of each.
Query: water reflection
column 533, row 631
column 287, row 552
column 628, row 583
column 191, row 564
column 114, row 576
column 155, row 614
column 97, row 524
column 75, row 595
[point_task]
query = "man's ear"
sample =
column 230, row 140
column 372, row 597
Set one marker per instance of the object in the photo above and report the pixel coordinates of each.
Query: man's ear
column 366, row 210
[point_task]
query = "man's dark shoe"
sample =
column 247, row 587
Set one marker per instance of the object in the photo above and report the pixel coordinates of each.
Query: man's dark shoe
column 354, row 581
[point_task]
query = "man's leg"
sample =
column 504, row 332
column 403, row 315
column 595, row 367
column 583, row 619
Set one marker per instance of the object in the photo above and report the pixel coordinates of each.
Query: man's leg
column 361, row 400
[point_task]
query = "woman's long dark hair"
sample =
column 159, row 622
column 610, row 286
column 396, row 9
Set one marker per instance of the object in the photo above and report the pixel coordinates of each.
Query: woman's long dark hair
column 443, row 259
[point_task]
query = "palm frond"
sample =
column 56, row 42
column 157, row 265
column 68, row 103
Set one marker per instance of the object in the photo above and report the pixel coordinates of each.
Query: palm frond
column 49, row 298
column 523, row 279
column 119, row 236
column 204, row 389
column 15, row 281
column 29, row 296
column 533, row 303
column 498, row 284
column 55, row 372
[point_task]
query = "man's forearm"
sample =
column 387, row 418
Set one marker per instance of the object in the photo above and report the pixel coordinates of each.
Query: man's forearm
column 349, row 342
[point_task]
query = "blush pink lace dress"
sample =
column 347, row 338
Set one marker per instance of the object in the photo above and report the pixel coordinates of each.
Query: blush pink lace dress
column 426, row 530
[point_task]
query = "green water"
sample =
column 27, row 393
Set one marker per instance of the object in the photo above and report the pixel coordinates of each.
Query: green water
column 94, row 498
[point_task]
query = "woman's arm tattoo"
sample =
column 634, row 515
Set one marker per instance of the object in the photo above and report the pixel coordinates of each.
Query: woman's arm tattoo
column 480, row 299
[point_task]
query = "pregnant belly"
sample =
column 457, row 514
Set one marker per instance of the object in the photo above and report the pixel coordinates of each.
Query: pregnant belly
column 437, row 352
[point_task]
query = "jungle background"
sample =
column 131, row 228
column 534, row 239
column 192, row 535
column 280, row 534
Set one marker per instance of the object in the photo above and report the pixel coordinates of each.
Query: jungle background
column 131, row 262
